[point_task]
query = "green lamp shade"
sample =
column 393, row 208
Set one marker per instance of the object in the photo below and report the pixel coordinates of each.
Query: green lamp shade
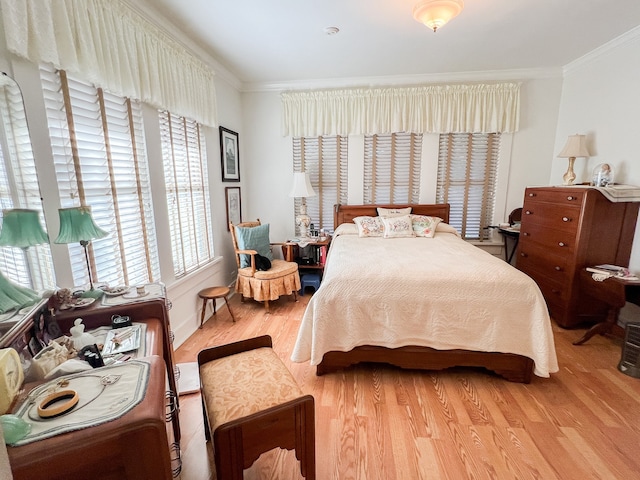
column 76, row 225
column 22, row 228
column 14, row 296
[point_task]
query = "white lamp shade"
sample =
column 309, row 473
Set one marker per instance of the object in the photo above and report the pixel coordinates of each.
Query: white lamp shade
column 301, row 186
column 576, row 147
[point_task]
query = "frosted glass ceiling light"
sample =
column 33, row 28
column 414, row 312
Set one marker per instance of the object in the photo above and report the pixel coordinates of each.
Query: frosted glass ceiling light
column 436, row 13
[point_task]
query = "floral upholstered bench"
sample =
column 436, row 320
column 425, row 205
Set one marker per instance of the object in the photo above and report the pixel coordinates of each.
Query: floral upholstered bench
column 251, row 405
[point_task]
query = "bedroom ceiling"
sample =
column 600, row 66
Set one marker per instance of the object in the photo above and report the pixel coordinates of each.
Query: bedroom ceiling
column 283, row 41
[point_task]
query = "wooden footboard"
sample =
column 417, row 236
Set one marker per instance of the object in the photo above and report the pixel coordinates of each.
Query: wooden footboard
column 514, row 368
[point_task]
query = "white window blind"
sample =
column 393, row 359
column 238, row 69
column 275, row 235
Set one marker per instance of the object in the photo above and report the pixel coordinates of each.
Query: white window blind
column 392, row 168
column 185, row 172
column 325, row 161
column 100, row 161
column 467, row 171
column 19, row 188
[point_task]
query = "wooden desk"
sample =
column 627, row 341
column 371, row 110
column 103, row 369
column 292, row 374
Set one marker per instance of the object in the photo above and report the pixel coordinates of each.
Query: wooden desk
column 615, row 292
column 134, row 446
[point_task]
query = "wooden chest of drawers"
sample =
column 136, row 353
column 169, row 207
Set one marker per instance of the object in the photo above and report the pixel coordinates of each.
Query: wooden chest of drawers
column 564, row 230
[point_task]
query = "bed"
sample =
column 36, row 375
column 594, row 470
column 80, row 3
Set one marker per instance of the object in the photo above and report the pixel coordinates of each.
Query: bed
column 423, row 303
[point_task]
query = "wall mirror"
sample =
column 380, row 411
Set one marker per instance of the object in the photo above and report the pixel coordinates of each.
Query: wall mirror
column 26, row 267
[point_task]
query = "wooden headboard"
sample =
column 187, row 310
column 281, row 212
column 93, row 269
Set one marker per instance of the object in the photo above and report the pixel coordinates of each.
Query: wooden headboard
column 346, row 213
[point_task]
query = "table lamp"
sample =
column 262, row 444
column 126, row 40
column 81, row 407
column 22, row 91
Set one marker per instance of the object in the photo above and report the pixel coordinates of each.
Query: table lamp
column 302, row 189
column 576, row 147
column 77, row 225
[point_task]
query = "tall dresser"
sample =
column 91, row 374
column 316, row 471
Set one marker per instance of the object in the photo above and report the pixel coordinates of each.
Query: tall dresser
column 564, row 230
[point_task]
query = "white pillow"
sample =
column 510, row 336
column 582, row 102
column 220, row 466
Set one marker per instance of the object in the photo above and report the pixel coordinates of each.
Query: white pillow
column 395, row 227
column 369, row 226
column 346, row 229
column 424, row 226
column 393, row 212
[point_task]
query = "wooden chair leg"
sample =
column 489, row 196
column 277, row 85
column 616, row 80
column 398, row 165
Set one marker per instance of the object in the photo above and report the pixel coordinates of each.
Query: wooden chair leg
column 266, row 306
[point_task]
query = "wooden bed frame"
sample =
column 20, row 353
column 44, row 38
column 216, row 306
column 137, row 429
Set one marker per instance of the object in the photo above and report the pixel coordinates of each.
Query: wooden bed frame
column 515, row 368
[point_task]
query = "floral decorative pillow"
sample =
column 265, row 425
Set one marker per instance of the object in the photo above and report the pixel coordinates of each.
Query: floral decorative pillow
column 395, row 227
column 424, row 226
column 369, row 226
column 393, row 212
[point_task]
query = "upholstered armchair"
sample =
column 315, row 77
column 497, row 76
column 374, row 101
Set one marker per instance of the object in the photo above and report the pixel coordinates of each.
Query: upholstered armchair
column 250, row 239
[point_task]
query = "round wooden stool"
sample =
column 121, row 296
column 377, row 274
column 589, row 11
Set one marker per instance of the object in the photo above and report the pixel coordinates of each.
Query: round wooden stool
column 212, row 293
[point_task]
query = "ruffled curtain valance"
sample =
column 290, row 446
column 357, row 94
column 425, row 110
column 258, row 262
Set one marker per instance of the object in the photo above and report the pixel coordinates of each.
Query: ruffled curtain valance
column 421, row 109
column 110, row 45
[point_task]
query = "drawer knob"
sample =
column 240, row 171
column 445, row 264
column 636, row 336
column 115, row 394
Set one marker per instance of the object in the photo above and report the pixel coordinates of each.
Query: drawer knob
column 557, row 268
column 566, row 219
column 528, row 212
column 523, row 254
column 525, row 234
column 556, row 291
column 571, row 198
column 561, row 244
column 532, row 194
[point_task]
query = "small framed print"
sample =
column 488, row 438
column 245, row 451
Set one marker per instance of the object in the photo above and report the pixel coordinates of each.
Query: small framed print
column 229, row 155
column 234, row 210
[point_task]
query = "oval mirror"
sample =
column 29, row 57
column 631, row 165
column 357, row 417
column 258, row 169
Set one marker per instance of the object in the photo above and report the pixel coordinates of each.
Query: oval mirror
column 26, row 267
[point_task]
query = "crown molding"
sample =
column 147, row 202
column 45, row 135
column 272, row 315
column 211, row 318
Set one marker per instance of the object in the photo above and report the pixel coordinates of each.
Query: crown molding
column 624, row 39
column 398, row 80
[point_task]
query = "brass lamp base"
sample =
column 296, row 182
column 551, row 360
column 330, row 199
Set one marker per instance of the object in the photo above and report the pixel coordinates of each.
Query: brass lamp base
column 569, row 175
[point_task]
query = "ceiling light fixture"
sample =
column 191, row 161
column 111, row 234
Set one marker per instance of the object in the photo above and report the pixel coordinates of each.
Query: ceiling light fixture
column 331, row 30
column 436, row 13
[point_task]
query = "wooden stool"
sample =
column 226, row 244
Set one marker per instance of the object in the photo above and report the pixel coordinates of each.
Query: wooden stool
column 252, row 404
column 212, row 293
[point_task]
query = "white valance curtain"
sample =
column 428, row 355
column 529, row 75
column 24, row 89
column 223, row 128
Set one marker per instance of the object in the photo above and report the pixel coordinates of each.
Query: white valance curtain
column 421, row 109
column 107, row 43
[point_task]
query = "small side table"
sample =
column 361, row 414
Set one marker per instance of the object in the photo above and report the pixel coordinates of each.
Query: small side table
column 615, row 292
column 212, row 293
column 291, row 252
column 509, row 232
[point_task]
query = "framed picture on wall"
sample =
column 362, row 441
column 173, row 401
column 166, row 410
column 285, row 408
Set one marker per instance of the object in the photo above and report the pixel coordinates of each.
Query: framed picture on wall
column 230, row 155
column 234, row 210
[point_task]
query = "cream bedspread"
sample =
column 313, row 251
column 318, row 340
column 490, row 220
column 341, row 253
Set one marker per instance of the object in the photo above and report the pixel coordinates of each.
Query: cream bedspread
column 439, row 292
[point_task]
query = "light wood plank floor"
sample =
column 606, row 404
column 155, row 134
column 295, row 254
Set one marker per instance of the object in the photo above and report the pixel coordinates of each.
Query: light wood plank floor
column 376, row 422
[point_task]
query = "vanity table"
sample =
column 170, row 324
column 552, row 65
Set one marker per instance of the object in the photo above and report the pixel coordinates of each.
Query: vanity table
column 141, row 444
column 134, row 446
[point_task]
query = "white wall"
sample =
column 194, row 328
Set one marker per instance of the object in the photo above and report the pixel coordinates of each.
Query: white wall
column 268, row 156
column 601, row 98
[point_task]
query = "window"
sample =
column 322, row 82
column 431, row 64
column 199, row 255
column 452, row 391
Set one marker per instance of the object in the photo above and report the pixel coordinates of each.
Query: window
column 100, row 161
column 392, row 168
column 325, row 161
column 33, row 267
column 185, row 172
column 467, row 170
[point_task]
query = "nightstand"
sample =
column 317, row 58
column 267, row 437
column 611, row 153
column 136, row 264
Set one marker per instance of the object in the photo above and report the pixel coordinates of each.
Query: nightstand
column 309, row 254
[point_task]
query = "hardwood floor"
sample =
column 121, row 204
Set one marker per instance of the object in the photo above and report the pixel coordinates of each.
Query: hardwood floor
column 377, row 422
